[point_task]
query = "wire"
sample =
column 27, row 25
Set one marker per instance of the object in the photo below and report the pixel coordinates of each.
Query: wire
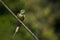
column 35, row 37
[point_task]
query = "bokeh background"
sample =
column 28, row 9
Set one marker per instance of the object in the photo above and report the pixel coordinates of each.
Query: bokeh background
column 42, row 17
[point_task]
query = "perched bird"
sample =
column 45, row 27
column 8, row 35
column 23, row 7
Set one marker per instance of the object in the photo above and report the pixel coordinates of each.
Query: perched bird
column 21, row 17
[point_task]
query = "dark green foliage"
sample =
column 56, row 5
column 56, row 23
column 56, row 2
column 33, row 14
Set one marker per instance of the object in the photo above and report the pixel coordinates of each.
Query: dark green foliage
column 42, row 17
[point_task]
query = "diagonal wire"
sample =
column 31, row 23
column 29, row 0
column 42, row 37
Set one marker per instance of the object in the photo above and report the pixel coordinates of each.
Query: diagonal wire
column 35, row 37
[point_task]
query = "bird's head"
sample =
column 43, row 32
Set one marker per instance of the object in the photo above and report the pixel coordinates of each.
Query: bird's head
column 22, row 11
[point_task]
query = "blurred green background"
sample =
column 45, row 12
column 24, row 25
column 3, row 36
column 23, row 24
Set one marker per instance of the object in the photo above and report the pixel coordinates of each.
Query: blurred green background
column 42, row 18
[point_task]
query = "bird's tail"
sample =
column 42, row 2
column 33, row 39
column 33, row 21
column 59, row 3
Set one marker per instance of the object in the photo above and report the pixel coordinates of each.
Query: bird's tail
column 17, row 28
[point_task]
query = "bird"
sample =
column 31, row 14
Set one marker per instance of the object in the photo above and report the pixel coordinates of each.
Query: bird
column 21, row 16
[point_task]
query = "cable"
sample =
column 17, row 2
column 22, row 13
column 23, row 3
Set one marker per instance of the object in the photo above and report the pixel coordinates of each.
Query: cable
column 35, row 37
